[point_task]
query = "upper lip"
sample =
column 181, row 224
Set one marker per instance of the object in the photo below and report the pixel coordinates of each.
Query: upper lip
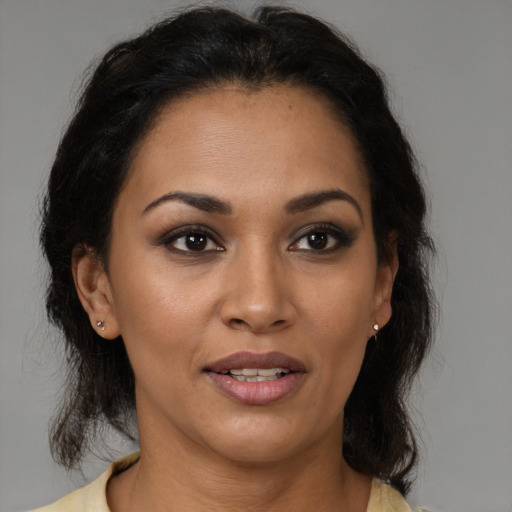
column 240, row 360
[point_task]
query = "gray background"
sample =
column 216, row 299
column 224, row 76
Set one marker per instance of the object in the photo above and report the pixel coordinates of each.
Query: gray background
column 449, row 63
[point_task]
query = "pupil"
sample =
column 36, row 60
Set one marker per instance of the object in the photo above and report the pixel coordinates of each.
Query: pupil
column 196, row 242
column 317, row 240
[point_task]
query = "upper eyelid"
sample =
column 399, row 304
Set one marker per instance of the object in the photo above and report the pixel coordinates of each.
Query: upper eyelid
column 176, row 233
column 329, row 227
column 296, row 235
column 345, row 237
column 171, row 237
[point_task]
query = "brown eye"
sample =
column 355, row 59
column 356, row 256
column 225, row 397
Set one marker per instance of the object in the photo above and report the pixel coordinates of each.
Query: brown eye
column 318, row 240
column 196, row 241
column 324, row 238
column 192, row 241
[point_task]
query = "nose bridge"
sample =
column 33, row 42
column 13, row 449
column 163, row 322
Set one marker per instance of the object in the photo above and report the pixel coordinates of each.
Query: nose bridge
column 258, row 298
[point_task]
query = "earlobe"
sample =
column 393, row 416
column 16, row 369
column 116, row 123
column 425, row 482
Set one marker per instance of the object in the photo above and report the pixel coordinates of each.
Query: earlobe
column 94, row 291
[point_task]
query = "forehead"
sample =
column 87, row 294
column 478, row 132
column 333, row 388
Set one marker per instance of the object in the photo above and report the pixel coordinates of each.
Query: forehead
column 231, row 140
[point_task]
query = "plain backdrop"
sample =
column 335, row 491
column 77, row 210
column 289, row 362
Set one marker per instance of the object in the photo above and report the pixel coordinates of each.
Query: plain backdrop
column 449, row 65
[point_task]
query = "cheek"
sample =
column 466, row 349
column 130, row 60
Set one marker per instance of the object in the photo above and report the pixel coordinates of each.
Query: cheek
column 161, row 332
column 339, row 319
column 343, row 306
column 158, row 311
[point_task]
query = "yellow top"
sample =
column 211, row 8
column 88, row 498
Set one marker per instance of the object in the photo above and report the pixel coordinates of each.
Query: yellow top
column 92, row 497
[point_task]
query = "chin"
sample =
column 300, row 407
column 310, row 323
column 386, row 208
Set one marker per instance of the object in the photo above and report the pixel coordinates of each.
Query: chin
column 256, row 442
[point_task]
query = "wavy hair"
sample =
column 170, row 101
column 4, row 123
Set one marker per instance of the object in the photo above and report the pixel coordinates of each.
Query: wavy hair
column 212, row 47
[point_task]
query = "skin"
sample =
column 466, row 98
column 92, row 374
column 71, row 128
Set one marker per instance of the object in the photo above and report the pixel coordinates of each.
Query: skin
column 258, row 285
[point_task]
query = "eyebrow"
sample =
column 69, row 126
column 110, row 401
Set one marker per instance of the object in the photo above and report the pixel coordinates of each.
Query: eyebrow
column 203, row 202
column 314, row 199
column 212, row 204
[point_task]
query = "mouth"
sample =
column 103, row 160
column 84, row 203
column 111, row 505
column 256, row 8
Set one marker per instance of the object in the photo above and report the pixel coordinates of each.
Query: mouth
column 256, row 374
column 256, row 379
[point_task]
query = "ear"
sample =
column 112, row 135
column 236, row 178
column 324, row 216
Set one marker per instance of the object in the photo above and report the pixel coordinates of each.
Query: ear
column 386, row 274
column 94, row 291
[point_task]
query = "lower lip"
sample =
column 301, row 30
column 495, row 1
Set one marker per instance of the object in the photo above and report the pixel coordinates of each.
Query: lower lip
column 257, row 393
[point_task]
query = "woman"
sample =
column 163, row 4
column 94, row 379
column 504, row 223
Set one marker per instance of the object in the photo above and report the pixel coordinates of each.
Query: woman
column 235, row 231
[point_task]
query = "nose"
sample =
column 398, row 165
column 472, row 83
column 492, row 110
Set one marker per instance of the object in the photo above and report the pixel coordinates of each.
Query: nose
column 258, row 297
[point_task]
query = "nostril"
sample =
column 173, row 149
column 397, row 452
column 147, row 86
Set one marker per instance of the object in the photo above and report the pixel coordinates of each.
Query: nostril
column 238, row 323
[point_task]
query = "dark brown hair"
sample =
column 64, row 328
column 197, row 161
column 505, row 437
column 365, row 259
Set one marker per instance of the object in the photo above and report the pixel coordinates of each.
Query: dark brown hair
column 198, row 49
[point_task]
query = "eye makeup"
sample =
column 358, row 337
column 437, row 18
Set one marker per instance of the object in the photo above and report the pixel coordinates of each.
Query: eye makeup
column 322, row 238
column 191, row 240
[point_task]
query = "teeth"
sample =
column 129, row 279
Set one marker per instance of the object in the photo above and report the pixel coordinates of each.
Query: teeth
column 243, row 378
column 255, row 372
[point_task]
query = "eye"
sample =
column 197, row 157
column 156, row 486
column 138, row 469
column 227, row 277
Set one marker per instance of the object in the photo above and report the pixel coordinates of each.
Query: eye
column 316, row 241
column 322, row 238
column 190, row 241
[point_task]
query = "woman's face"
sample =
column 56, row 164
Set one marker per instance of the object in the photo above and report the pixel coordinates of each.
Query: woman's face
column 242, row 241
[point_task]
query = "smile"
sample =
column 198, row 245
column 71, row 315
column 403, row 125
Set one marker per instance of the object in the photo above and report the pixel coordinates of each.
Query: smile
column 256, row 379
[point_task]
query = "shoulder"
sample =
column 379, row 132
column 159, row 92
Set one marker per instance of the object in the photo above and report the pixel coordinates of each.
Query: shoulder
column 384, row 498
column 92, row 496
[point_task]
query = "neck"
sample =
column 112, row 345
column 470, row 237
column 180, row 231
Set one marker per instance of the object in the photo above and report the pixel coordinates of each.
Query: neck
column 177, row 474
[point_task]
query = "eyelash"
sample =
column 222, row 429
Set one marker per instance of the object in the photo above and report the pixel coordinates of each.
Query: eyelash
column 187, row 231
column 339, row 237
